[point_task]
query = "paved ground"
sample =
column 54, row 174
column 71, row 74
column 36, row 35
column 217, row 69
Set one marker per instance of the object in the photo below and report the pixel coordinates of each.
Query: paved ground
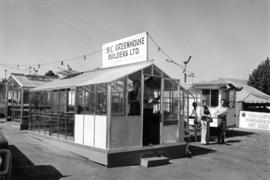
column 245, row 156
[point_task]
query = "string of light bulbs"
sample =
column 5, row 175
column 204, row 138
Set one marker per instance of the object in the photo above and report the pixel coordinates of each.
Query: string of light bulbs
column 84, row 57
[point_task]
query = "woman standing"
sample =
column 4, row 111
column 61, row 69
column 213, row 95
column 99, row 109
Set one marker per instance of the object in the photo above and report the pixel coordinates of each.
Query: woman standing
column 197, row 118
column 205, row 121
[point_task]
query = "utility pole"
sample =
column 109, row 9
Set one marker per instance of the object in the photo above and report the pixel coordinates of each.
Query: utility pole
column 5, row 74
column 185, row 69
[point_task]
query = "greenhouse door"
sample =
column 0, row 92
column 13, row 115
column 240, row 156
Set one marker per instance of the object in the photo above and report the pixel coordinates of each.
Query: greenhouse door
column 170, row 111
column 151, row 110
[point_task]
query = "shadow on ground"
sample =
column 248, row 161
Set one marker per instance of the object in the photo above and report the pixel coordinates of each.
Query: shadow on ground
column 24, row 168
column 196, row 150
column 235, row 133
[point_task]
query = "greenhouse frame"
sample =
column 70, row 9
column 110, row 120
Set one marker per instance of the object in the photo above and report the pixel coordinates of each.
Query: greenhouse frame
column 93, row 109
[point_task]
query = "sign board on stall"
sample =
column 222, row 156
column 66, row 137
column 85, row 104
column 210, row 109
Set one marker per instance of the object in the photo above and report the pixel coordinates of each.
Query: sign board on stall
column 125, row 51
column 254, row 120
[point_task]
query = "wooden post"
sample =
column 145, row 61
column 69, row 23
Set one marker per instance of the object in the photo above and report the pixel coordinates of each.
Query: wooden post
column 161, row 110
column 6, row 100
column 142, row 105
column 126, row 108
column 109, row 114
column 58, row 117
column 22, row 105
column 12, row 103
column 66, row 110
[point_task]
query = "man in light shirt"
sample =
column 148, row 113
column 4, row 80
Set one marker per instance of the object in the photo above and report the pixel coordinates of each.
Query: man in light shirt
column 221, row 114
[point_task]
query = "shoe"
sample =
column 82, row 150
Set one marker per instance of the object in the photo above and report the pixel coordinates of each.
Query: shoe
column 188, row 154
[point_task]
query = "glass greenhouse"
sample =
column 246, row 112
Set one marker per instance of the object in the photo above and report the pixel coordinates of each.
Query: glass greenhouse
column 128, row 108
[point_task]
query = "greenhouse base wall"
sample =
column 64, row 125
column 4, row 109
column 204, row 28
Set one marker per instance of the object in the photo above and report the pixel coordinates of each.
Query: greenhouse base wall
column 116, row 157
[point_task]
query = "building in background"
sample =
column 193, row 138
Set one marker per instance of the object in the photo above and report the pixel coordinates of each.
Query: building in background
column 237, row 93
column 3, row 100
column 18, row 86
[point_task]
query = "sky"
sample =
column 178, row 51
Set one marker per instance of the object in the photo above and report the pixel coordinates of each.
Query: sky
column 226, row 38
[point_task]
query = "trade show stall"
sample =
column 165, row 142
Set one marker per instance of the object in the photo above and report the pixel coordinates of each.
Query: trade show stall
column 130, row 107
column 109, row 114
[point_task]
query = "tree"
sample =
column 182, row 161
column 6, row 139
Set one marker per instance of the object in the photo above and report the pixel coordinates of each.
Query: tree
column 260, row 77
column 51, row 73
column 3, row 81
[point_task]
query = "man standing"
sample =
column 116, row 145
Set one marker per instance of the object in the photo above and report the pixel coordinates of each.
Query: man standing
column 221, row 113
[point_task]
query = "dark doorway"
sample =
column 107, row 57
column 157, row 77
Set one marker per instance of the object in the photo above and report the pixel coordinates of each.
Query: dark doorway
column 151, row 114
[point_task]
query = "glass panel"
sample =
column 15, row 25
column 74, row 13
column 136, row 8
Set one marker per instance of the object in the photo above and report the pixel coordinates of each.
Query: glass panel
column 55, row 102
column 49, row 105
column 43, row 101
column 71, row 101
column 147, row 71
column 62, row 125
column 32, row 101
column 134, row 94
column 70, row 126
column 62, row 101
column 170, row 107
column 92, row 99
column 80, row 99
column 47, row 124
column 134, row 124
column 54, row 125
column 37, row 101
column 170, row 101
column 101, row 105
column 157, row 72
column 117, row 97
column 2, row 92
column 26, row 96
column 89, row 99
column 206, row 96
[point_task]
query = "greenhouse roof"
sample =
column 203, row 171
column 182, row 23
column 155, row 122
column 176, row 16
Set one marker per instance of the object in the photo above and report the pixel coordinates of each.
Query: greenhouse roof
column 30, row 81
column 104, row 75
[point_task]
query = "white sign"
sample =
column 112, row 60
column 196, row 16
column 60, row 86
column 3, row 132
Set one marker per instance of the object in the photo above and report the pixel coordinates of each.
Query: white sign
column 125, row 51
column 254, row 120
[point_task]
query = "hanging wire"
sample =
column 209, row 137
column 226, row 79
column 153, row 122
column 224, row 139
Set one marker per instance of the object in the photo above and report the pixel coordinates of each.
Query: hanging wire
column 169, row 59
column 54, row 62
column 84, row 57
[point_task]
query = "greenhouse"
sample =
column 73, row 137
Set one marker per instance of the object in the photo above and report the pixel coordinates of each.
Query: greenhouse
column 18, row 87
column 100, row 109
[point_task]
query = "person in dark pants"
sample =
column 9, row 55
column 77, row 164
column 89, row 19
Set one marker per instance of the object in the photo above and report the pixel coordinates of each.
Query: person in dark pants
column 148, row 115
column 187, row 138
column 221, row 113
column 134, row 98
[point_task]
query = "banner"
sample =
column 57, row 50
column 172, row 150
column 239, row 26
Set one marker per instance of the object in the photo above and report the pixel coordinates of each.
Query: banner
column 125, row 51
column 254, row 120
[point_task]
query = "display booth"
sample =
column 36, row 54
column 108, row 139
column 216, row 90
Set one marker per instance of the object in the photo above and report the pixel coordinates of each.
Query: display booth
column 122, row 110
column 107, row 118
